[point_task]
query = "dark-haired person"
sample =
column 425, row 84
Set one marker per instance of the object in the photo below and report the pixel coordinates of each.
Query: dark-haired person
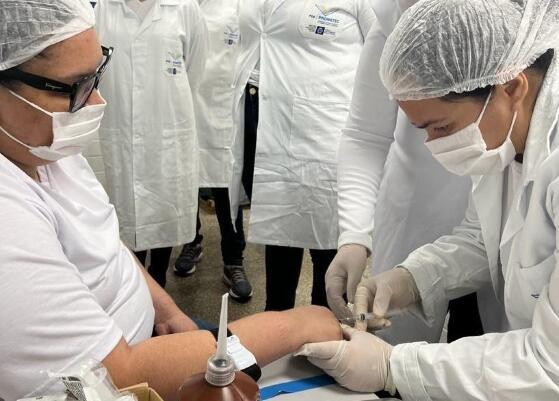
column 70, row 289
column 393, row 197
column 482, row 78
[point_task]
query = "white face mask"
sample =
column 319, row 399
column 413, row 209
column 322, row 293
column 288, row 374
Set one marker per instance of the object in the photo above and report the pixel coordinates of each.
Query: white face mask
column 72, row 132
column 465, row 152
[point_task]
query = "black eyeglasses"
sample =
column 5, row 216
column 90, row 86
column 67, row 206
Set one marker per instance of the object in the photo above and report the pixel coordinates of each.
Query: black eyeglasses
column 79, row 91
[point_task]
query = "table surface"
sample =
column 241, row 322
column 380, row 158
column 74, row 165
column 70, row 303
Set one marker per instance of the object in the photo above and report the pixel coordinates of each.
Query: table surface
column 295, row 368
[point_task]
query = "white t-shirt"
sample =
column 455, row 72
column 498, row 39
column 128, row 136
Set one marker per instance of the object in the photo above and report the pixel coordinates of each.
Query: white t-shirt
column 69, row 288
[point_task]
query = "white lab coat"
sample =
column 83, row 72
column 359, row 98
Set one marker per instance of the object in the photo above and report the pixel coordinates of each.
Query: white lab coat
column 390, row 185
column 519, row 261
column 215, row 98
column 308, row 51
column 148, row 136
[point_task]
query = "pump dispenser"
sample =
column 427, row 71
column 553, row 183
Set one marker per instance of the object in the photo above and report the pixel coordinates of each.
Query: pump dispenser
column 220, row 382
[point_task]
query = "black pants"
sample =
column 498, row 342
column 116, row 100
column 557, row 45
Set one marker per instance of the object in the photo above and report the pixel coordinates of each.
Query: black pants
column 283, row 268
column 251, row 129
column 159, row 263
column 232, row 238
column 464, row 320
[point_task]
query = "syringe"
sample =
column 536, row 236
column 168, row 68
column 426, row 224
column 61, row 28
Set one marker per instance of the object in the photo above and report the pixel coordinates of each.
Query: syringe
column 361, row 317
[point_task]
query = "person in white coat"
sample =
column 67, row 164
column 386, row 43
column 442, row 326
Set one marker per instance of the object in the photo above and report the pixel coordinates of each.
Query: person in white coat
column 306, row 54
column 490, row 106
column 390, row 185
column 215, row 134
column 148, row 139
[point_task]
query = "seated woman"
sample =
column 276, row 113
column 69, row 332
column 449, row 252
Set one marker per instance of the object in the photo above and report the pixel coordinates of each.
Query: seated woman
column 70, row 289
column 482, row 78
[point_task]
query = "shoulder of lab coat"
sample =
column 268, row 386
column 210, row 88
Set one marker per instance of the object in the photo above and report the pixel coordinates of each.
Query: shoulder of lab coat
column 364, row 145
column 365, row 16
column 197, row 46
column 196, row 43
column 513, row 366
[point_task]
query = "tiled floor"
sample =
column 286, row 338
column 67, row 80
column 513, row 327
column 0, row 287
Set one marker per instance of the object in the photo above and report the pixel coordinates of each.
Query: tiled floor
column 200, row 295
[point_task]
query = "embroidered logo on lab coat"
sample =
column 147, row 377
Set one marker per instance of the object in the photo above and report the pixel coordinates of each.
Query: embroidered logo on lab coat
column 230, row 36
column 320, row 21
column 174, row 63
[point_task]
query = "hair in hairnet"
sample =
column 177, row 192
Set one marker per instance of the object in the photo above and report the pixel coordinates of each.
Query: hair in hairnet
column 27, row 27
column 443, row 46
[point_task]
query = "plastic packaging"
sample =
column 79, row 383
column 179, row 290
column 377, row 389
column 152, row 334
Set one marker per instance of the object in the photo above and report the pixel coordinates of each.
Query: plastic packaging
column 89, row 381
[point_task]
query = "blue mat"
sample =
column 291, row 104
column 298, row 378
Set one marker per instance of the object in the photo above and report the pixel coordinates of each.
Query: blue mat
column 295, row 386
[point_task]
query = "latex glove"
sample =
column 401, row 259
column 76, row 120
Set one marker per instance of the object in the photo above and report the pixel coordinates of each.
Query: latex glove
column 394, row 289
column 359, row 363
column 178, row 323
column 343, row 276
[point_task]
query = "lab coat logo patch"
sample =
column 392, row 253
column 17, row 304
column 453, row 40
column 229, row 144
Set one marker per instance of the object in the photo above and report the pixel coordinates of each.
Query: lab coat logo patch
column 174, row 63
column 230, row 36
column 320, row 21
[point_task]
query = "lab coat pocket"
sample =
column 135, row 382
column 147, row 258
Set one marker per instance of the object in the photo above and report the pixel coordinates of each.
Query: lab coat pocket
column 325, row 20
column 173, row 57
column 536, row 277
column 316, row 127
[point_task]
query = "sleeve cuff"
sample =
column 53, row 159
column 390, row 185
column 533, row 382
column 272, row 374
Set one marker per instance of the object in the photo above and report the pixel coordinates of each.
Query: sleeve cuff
column 349, row 237
column 428, row 283
column 404, row 366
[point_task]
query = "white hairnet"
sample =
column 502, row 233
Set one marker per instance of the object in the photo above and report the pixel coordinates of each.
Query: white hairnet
column 27, row 27
column 443, row 46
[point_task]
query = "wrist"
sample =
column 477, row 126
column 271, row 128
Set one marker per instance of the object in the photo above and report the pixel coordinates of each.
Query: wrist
column 165, row 310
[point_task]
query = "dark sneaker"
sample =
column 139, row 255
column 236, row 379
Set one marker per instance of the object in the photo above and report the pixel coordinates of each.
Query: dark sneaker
column 235, row 278
column 186, row 262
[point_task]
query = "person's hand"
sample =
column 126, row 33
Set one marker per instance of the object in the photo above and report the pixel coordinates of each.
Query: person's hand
column 393, row 289
column 177, row 323
column 359, row 363
column 343, row 276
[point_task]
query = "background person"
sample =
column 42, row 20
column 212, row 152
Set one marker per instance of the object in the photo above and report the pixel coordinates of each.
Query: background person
column 302, row 57
column 148, row 138
column 215, row 135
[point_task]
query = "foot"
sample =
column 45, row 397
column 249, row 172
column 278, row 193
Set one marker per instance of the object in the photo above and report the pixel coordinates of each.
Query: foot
column 186, row 262
column 239, row 286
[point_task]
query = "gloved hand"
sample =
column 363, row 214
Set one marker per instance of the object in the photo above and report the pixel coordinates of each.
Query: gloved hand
column 359, row 363
column 393, row 289
column 343, row 276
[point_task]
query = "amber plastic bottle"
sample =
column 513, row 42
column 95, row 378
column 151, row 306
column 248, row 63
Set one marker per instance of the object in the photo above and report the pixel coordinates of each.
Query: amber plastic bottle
column 220, row 382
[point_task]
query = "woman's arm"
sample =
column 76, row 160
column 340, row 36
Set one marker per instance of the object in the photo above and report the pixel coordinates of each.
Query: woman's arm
column 166, row 362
